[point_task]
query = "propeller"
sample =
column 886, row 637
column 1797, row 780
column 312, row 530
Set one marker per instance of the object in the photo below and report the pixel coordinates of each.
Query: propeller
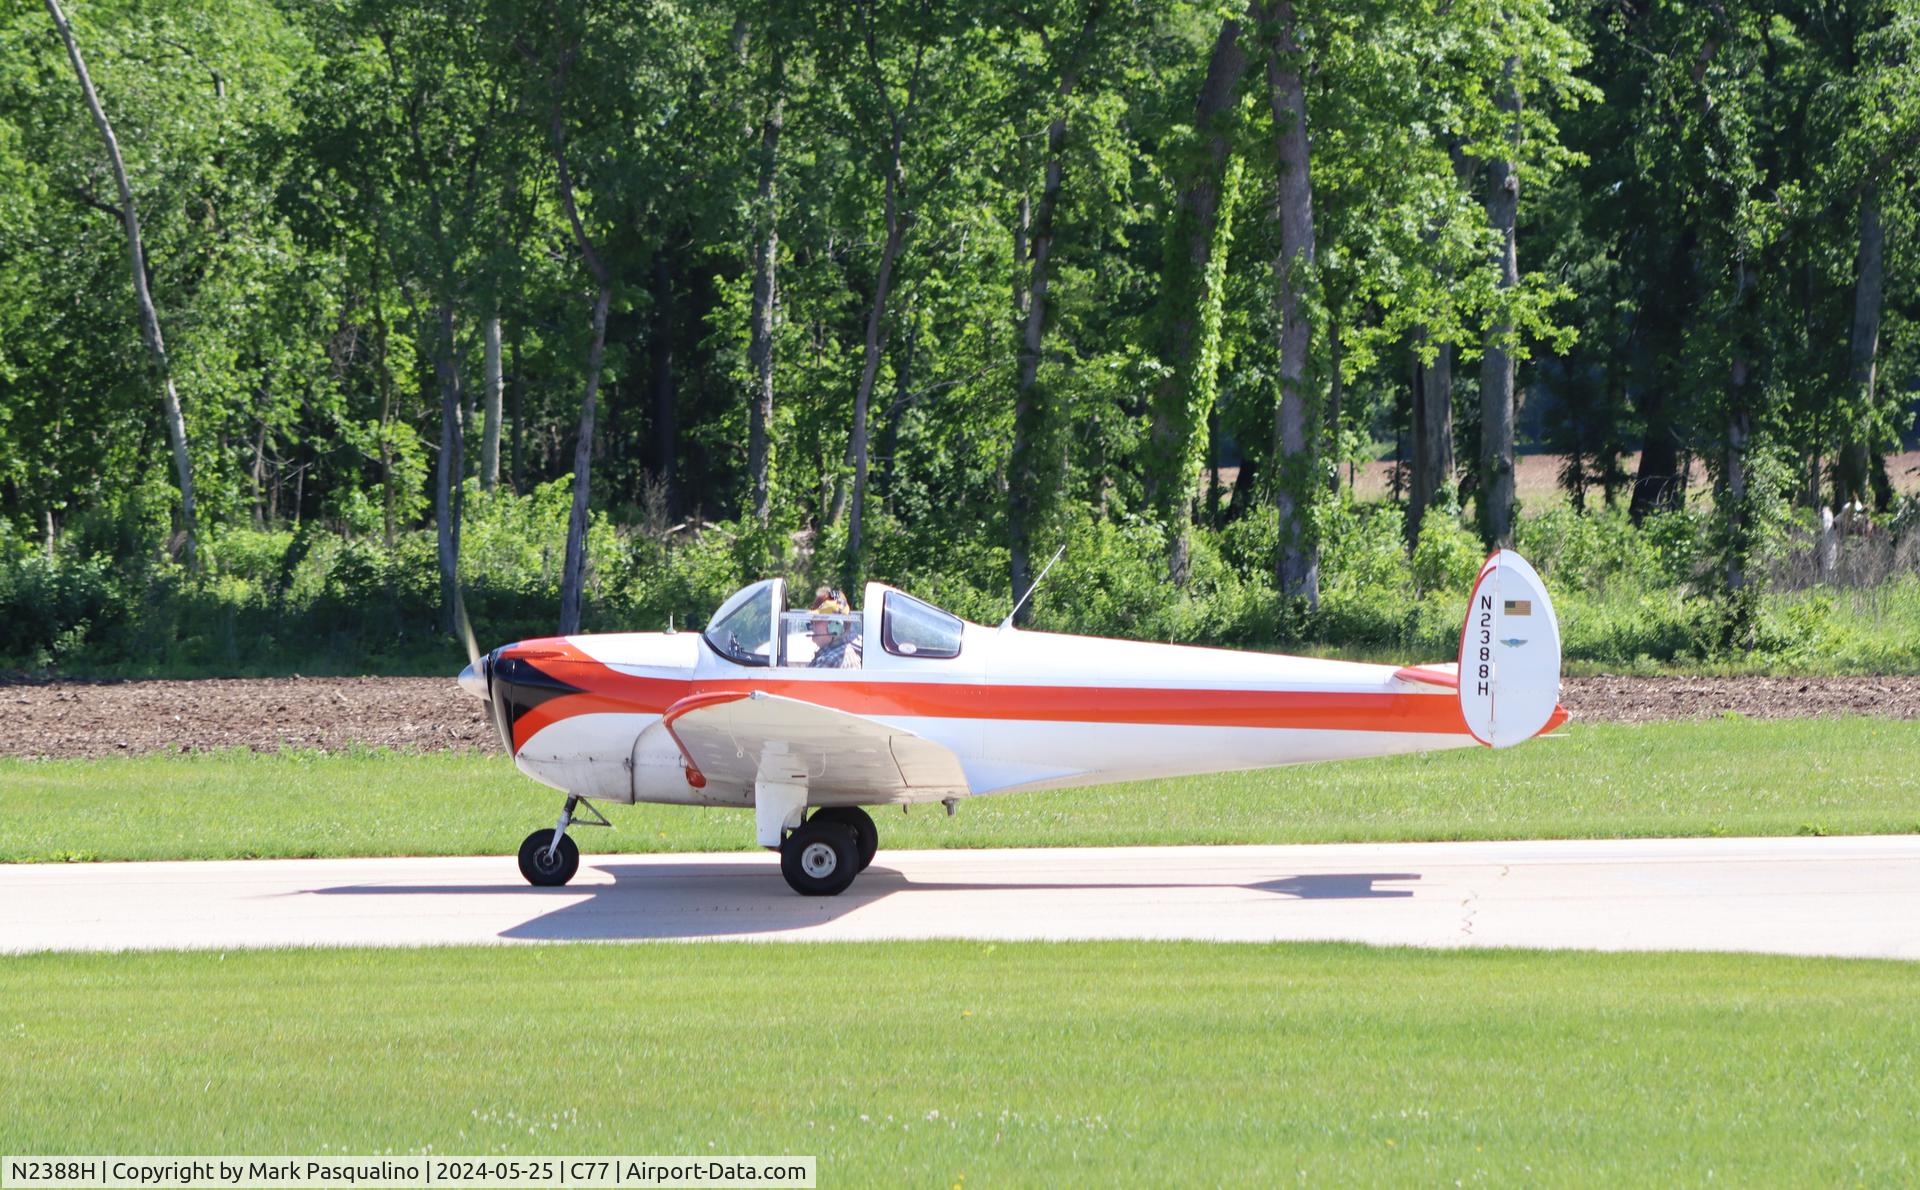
column 473, row 679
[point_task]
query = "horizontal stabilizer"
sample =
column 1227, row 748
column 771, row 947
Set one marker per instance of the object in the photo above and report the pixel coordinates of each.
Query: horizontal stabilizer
column 1447, row 676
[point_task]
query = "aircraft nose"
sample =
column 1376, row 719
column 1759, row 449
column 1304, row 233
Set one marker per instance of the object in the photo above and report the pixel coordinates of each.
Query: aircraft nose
column 473, row 679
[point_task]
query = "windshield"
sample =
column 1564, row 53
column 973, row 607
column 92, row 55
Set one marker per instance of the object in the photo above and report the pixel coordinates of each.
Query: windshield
column 742, row 630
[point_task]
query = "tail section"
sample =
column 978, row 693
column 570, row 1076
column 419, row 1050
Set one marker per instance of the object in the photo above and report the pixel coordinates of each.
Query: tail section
column 1509, row 654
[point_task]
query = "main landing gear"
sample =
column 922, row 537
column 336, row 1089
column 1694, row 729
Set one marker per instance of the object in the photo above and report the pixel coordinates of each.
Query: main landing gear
column 821, row 857
column 549, row 858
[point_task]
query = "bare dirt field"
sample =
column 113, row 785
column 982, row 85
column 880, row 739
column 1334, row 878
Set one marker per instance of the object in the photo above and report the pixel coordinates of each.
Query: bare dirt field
column 1537, row 477
column 86, row 719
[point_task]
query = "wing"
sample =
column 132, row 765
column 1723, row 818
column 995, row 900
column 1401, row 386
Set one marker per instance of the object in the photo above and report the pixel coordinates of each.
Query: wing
column 735, row 738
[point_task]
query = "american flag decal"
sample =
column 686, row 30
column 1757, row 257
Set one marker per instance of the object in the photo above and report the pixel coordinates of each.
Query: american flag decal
column 1519, row 607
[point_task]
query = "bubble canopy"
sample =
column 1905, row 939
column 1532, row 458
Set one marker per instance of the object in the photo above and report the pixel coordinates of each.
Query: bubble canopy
column 742, row 630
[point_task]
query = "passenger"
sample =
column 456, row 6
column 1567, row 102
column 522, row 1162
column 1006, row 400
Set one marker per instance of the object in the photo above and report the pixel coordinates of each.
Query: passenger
column 835, row 647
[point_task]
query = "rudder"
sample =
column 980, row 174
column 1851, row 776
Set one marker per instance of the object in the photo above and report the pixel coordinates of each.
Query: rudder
column 1509, row 654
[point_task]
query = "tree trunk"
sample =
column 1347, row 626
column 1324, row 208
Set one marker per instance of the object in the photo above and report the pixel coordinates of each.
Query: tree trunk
column 856, row 456
column 1662, row 479
column 1029, row 491
column 1297, row 569
column 1022, row 257
column 1240, row 499
column 149, row 320
column 573, row 577
column 1657, row 484
column 1738, row 432
column 1738, row 512
column 1336, row 394
column 1660, row 483
column 766, row 253
column 1432, row 433
column 447, row 471
column 902, row 398
column 381, row 340
column 1415, row 459
column 1850, row 476
column 663, row 431
column 1433, row 401
column 490, row 415
column 259, row 476
column 863, row 397
column 573, row 574
column 1442, row 465
column 1033, row 483
column 519, row 472
column 1496, row 364
column 1170, row 478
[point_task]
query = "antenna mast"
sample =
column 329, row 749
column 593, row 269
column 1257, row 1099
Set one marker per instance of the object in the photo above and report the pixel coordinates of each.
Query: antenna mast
column 1033, row 586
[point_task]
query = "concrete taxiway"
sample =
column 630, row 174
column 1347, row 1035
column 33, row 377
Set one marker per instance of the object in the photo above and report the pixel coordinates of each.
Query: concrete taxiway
column 1811, row 896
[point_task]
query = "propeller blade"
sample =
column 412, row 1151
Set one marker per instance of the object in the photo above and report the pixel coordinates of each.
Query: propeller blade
column 473, row 679
column 466, row 627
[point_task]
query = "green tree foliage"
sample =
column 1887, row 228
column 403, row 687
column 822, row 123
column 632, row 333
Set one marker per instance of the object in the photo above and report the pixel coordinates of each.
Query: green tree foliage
column 1015, row 267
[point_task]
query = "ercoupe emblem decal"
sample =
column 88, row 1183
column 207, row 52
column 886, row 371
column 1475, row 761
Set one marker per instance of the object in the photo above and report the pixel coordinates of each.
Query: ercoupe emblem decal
column 1513, row 642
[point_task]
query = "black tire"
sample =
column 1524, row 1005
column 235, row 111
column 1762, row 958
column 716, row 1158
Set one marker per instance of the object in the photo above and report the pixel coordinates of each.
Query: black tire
column 548, row 871
column 820, row 859
column 856, row 820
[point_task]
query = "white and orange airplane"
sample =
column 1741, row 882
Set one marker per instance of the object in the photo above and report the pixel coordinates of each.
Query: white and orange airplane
column 807, row 716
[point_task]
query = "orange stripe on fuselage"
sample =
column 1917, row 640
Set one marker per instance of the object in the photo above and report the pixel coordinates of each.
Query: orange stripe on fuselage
column 608, row 690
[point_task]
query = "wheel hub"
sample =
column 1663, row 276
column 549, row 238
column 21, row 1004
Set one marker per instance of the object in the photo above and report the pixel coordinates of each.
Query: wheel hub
column 818, row 860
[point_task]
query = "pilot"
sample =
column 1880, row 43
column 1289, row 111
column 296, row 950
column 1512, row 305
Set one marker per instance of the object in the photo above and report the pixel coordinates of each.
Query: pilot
column 834, row 646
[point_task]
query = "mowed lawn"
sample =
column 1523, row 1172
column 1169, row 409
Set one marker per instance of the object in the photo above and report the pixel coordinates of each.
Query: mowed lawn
column 980, row 1065
column 1727, row 777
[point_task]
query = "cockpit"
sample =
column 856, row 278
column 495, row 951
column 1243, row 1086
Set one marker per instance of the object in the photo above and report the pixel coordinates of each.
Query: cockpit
column 755, row 628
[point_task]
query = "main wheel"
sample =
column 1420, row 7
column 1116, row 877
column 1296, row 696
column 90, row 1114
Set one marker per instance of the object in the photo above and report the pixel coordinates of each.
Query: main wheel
column 820, row 859
column 859, row 822
column 548, row 869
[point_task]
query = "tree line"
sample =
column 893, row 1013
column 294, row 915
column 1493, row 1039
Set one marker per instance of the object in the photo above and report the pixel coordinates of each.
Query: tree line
column 963, row 271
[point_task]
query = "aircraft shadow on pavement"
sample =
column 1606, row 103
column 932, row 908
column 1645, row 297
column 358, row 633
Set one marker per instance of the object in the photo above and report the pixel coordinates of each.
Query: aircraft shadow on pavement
column 669, row 898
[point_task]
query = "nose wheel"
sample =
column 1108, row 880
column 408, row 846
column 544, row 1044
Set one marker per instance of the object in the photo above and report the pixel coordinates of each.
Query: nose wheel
column 546, row 865
column 548, row 859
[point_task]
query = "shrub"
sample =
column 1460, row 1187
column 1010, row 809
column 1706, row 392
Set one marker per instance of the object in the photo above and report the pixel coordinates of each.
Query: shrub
column 1447, row 556
column 325, row 599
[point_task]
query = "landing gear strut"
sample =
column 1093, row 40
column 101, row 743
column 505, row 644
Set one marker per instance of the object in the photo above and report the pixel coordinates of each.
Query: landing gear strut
column 822, row 856
column 549, row 859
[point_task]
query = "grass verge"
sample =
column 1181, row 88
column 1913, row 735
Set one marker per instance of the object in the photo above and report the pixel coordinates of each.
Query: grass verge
column 970, row 1064
column 1725, row 777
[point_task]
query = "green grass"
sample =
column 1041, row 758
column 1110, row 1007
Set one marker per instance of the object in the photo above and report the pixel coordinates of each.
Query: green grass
column 980, row 1065
column 1733, row 777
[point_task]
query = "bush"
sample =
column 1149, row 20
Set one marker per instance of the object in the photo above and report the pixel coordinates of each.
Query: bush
column 1447, row 556
column 50, row 609
column 318, row 599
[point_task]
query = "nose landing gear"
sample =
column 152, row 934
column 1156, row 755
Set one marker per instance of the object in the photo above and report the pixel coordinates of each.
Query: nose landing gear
column 548, row 859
